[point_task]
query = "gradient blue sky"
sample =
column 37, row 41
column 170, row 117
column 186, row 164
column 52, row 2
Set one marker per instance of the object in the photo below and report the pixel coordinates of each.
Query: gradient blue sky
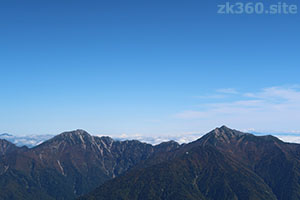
column 145, row 67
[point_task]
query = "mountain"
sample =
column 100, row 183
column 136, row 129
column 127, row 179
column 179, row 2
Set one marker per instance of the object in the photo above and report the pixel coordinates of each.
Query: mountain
column 69, row 165
column 223, row 164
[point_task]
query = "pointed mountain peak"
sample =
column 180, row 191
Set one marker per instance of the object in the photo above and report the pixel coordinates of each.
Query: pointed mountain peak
column 222, row 135
column 224, row 127
column 75, row 133
column 71, row 137
column 227, row 132
column 78, row 134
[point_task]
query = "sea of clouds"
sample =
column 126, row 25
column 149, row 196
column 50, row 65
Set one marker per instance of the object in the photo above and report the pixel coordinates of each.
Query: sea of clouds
column 34, row 140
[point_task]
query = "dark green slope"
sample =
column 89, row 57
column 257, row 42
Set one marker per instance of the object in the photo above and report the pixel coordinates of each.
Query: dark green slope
column 276, row 162
column 15, row 185
column 200, row 173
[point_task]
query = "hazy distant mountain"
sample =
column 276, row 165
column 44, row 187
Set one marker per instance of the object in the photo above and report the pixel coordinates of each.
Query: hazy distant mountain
column 68, row 165
column 223, row 164
column 29, row 141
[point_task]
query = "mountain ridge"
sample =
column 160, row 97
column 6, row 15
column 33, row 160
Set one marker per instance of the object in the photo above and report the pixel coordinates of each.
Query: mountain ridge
column 223, row 164
column 70, row 164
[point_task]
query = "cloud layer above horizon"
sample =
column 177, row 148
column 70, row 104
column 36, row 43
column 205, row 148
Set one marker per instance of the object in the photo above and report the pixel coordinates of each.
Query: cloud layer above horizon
column 272, row 107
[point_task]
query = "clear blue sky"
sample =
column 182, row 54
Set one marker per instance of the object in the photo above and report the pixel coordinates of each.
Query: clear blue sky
column 145, row 67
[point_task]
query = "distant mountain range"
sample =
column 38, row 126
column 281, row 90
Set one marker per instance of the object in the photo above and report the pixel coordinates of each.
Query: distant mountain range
column 34, row 140
column 223, row 164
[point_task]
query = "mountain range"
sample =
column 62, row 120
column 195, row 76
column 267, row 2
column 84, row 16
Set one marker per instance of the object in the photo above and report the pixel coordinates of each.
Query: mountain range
column 68, row 165
column 34, row 140
column 223, row 164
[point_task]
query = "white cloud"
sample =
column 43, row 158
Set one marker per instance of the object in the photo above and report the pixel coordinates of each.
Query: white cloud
column 214, row 96
column 190, row 137
column 228, row 91
column 30, row 140
column 289, row 138
column 154, row 140
column 220, row 94
column 277, row 108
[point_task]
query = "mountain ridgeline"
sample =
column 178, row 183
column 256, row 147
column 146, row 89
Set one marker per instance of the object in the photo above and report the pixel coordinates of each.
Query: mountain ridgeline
column 223, row 164
column 68, row 165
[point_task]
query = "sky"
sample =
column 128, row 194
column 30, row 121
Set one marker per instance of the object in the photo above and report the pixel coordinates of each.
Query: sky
column 146, row 67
